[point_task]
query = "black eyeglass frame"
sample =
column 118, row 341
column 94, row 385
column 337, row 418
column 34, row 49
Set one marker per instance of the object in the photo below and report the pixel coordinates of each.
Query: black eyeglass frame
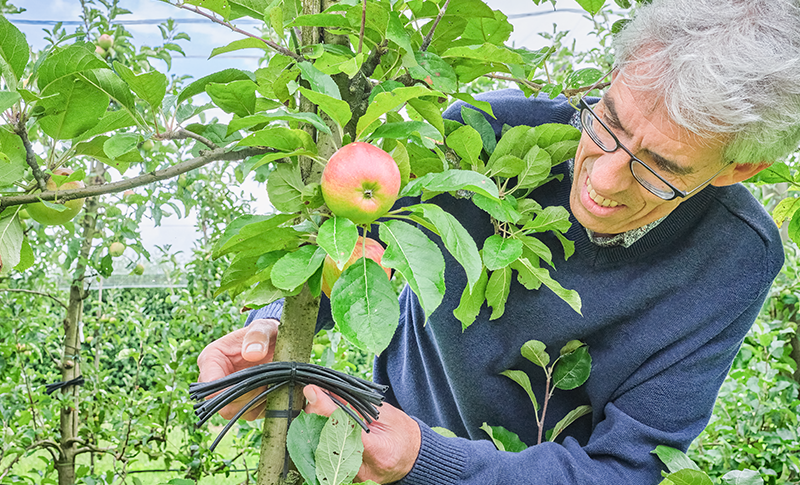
column 583, row 106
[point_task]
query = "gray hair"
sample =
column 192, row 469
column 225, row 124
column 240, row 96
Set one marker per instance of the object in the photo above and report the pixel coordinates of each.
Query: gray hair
column 721, row 67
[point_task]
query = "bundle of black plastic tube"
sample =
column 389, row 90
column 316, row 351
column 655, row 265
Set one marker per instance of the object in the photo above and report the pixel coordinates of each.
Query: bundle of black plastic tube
column 362, row 395
column 51, row 388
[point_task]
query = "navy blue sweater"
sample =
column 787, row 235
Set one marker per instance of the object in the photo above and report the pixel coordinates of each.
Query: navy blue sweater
column 663, row 320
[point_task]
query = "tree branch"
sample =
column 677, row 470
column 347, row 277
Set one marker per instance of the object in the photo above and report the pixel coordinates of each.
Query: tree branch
column 148, row 178
column 48, row 295
column 30, row 156
column 182, row 134
column 271, row 44
column 363, row 26
column 537, row 87
column 428, row 38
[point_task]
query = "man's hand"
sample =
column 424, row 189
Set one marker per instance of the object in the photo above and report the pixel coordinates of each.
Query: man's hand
column 239, row 350
column 390, row 448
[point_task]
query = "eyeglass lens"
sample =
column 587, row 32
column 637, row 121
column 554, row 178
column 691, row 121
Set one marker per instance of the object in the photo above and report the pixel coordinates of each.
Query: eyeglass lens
column 606, row 141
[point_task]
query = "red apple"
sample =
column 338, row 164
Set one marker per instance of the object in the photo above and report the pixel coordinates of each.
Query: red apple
column 330, row 273
column 50, row 217
column 360, row 182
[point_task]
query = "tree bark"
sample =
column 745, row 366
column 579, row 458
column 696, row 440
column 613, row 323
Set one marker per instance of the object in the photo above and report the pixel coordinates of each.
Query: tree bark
column 293, row 345
column 70, row 357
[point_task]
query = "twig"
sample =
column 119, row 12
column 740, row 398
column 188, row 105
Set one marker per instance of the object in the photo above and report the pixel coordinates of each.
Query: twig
column 18, row 290
column 30, row 156
column 270, row 43
column 363, row 26
column 182, row 134
column 148, row 178
column 47, row 444
column 537, row 86
column 428, row 38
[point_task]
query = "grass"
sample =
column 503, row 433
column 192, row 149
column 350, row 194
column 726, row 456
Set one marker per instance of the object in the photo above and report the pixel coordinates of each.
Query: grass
column 140, row 469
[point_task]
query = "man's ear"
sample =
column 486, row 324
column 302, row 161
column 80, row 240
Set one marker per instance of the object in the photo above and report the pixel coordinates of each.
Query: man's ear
column 738, row 172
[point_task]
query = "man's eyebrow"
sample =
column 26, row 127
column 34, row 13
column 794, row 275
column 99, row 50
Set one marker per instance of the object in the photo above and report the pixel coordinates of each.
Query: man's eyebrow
column 663, row 163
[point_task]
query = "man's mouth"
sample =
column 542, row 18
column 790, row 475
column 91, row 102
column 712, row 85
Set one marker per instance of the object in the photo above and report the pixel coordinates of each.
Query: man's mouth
column 599, row 199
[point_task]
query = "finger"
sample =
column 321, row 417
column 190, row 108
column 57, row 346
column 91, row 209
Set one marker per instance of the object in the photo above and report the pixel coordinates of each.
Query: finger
column 259, row 340
column 318, row 401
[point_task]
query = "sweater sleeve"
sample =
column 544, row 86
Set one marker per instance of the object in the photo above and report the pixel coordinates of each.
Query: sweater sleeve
column 670, row 407
column 275, row 310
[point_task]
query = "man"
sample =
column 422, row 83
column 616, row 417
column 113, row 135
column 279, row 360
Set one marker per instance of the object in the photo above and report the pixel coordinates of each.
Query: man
column 673, row 260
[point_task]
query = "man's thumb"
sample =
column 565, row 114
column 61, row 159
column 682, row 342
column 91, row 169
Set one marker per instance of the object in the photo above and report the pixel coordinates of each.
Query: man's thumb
column 257, row 340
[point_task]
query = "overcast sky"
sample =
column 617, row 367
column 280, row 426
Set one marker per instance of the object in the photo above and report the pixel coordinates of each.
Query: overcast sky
column 528, row 19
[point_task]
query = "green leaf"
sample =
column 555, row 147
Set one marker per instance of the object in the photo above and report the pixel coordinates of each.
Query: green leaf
column 246, row 43
column 14, row 52
column 456, row 239
column 435, row 71
column 571, row 297
column 337, row 109
column 536, row 352
column 338, row 456
column 517, row 142
column 794, row 227
column 476, row 120
column 524, row 381
column 320, row 20
column 571, row 347
column 120, row 144
column 221, row 77
column 583, row 77
column 8, row 99
column 296, row 267
column 674, row 459
column 506, row 166
column 250, row 121
column 251, row 230
column 538, row 248
column 500, row 209
column 687, row 477
column 417, row 258
column 405, row 130
column 444, row 432
column 741, row 477
column 13, row 155
column 302, row 442
column 364, row 305
column 11, row 238
column 338, row 236
column 26, row 257
column 76, row 107
column 554, row 218
column 428, row 111
column 591, row 6
column 570, row 418
column 111, row 121
column 497, row 290
column 285, row 187
column 95, row 148
column 503, row 439
column 466, row 142
column 387, row 101
column 573, row 369
column 499, row 252
column 471, row 301
column 150, row 86
column 238, row 97
column 115, row 88
column 537, row 168
column 65, row 62
column 451, row 180
column 319, row 81
column 488, row 53
column 280, row 138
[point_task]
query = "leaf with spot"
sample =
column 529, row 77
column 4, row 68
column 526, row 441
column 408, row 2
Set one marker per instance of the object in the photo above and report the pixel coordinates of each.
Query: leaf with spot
column 302, row 442
column 435, row 71
column 338, row 456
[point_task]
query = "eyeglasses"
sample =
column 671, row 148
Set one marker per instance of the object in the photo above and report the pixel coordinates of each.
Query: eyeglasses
column 648, row 178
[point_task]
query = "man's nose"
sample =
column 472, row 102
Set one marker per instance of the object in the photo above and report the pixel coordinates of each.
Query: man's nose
column 611, row 172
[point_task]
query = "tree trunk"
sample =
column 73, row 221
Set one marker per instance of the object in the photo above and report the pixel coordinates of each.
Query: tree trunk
column 70, row 357
column 293, row 345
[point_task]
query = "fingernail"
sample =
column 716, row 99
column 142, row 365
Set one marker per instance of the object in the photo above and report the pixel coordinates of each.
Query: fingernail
column 254, row 348
column 310, row 395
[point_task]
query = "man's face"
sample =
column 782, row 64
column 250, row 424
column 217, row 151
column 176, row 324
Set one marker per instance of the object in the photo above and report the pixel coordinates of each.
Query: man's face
column 604, row 196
